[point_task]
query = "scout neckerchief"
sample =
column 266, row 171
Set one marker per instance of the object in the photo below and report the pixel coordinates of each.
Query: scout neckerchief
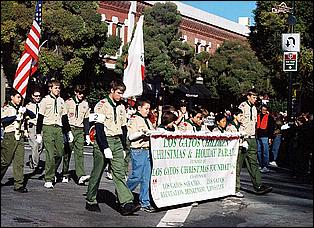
column 145, row 118
column 222, row 130
column 37, row 106
column 114, row 106
column 14, row 106
column 251, row 107
column 197, row 128
column 237, row 126
column 77, row 102
column 56, row 103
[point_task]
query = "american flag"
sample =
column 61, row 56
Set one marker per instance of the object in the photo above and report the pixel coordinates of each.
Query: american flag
column 29, row 61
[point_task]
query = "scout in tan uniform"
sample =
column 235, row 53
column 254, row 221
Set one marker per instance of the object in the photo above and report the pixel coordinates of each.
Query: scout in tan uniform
column 51, row 119
column 12, row 145
column 77, row 110
column 235, row 125
column 37, row 148
column 194, row 123
column 139, row 127
column 250, row 157
column 111, row 133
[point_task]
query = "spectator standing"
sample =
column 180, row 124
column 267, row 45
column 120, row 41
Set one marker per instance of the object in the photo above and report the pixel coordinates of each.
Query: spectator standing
column 139, row 127
column 249, row 127
column 77, row 110
column 12, row 145
column 37, row 148
column 264, row 133
column 277, row 137
column 111, row 137
column 52, row 121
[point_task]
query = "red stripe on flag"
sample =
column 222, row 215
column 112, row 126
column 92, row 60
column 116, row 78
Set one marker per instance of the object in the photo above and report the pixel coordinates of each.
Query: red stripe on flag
column 143, row 72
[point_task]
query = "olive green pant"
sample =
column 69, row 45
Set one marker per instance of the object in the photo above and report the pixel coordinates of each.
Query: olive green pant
column 53, row 142
column 78, row 147
column 250, row 158
column 118, row 168
column 12, row 149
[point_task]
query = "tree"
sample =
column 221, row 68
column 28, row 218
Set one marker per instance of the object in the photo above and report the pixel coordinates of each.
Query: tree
column 74, row 36
column 266, row 41
column 233, row 70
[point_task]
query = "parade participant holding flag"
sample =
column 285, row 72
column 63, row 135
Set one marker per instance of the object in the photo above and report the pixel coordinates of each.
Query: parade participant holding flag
column 12, row 146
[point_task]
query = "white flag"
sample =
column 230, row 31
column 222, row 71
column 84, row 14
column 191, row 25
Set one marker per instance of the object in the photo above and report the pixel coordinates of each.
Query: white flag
column 131, row 20
column 135, row 70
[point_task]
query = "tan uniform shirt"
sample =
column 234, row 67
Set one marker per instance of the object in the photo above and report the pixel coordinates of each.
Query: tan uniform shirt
column 32, row 106
column 52, row 110
column 104, row 113
column 249, row 118
column 76, row 115
column 137, row 124
column 8, row 111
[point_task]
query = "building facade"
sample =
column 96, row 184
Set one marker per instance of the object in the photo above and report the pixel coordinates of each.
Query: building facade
column 204, row 31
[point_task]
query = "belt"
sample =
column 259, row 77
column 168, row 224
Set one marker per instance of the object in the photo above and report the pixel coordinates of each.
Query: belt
column 75, row 127
column 52, row 125
column 140, row 148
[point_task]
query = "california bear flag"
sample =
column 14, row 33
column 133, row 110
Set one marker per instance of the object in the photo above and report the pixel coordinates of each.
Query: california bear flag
column 135, row 70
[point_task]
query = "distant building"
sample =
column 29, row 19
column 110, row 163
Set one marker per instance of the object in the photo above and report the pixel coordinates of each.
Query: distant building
column 204, row 30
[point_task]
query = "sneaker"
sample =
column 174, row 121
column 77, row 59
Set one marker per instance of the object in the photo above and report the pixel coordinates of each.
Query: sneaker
column 92, row 207
column 265, row 170
column 261, row 190
column 65, row 180
column 194, row 204
column 148, row 209
column 129, row 208
column 48, row 185
column 239, row 195
column 273, row 164
column 21, row 190
column 83, row 179
column 109, row 176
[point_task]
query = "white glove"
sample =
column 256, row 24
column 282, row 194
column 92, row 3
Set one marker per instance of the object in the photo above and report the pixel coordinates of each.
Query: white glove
column 245, row 145
column 136, row 135
column 22, row 110
column 108, row 153
column 87, row 140
column 70, row 137
column 39, row 138
column 19, row 117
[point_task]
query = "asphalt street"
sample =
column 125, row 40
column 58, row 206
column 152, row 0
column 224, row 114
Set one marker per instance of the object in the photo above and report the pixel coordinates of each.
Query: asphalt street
column 290, row 204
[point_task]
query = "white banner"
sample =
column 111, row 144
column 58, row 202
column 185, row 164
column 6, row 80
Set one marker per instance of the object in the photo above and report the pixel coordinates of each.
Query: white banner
column 189, row 168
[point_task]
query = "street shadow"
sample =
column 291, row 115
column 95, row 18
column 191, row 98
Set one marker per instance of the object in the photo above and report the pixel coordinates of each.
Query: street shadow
column 107, row 197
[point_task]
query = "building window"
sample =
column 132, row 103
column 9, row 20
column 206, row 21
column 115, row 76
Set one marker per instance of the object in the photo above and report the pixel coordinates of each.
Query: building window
column 119, row 31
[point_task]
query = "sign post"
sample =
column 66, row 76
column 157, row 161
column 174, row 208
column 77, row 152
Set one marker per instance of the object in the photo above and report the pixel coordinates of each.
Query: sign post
column 290, row 61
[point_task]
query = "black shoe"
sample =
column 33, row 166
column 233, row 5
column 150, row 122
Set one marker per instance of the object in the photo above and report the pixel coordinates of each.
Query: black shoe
column 92, row 207
column 21, row 190
column 261, row 190
column 129, row 208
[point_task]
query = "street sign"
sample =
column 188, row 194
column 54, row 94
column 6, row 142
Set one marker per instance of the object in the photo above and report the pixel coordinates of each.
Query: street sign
column 291, row 42
column 290, row 60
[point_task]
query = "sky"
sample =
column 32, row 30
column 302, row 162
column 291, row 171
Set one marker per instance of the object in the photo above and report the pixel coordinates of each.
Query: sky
column 227, row 9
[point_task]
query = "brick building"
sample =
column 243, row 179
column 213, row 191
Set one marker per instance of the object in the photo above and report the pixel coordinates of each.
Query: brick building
column 199, row 28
